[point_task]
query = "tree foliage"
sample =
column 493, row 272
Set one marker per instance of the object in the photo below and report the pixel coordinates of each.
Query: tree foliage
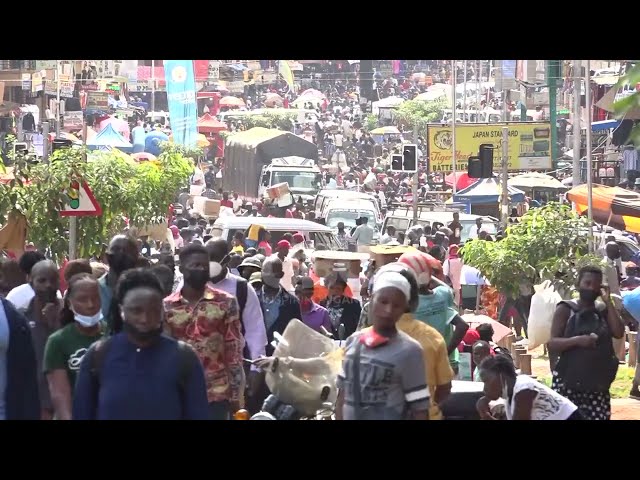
column 371, row 122
column 549, row 243
column 123, row 187
column 625, row 104
column 279, row 121
column 419, row 113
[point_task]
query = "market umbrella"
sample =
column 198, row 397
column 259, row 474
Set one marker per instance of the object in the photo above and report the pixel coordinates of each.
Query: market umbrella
column 462, row 180
column 207, row 123
column 613, row 206
column 152, row 141
column 536, row 180
column 65, row 136
column 312, row 93
column 385, row 131
column 120, row 126
column 231, row 101
column 273, row 99
column 144, row 156
column 499, row 330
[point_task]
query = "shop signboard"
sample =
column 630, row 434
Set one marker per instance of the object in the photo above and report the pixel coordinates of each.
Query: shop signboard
column 97, row 101
column 529, row 145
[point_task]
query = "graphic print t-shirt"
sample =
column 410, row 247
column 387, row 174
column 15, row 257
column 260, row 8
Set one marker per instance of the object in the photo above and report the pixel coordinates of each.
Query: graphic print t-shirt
column 548, row 404
column 66, row 348
column 392, row 379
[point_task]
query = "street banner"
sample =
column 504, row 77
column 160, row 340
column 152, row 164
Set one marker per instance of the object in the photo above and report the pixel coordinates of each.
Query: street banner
column 181, row 97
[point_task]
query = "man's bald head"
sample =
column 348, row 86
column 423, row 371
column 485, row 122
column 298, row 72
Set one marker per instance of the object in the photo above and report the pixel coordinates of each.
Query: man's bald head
column 44, row 266
column 123, row 243
column 218, row 248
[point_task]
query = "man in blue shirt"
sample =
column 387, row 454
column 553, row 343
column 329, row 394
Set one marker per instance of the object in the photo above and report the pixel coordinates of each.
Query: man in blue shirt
column 140, row 374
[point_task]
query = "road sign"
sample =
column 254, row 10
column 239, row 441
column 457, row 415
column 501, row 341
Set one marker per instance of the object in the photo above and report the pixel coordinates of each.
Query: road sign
column 81, row 203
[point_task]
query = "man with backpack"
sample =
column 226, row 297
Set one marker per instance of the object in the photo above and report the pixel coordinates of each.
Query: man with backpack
column 251, row 316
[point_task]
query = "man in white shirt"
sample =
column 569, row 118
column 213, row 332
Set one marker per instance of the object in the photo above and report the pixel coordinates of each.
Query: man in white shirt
column 282, row 253
column 22, row 295
column 237, row 203
column 475, row 229
column 350, row 183
column 338, row 139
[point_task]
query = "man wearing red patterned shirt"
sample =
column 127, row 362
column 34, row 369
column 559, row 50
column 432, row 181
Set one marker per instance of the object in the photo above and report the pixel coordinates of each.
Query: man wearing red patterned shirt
column 208, row 320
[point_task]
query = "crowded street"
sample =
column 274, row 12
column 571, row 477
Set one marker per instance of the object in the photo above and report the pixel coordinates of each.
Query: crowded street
column 320, row 240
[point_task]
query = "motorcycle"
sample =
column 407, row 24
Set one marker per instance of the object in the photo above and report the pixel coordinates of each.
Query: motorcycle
column 302, row 376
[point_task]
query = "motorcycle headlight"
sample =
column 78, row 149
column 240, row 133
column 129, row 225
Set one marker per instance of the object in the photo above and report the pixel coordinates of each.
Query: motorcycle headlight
column 263, row 416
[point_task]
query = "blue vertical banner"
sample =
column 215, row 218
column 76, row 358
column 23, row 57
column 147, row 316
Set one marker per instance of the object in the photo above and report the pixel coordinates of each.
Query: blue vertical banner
column 181, row 96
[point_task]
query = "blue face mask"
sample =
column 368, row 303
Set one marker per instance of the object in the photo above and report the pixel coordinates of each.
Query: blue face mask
column 88, row 321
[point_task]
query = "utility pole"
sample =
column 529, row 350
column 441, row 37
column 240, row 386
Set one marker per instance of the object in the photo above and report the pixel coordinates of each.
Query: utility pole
column 505, row 177
column 589, row 156
column 414, row 186
column 454, row 80
column 153, row 87
column 57, row 98
column 577, row 132
column 464, row 95
column 553, row 77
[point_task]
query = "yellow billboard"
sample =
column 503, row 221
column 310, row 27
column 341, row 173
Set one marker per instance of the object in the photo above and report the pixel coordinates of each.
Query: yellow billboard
column 529, row 145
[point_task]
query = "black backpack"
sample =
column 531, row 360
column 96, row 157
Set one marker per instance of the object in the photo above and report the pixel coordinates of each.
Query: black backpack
column 588, row 369
column 242, row 287
column 99, row 352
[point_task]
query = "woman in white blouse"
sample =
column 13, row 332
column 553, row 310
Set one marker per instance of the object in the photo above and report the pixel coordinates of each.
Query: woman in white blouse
column 525, row 398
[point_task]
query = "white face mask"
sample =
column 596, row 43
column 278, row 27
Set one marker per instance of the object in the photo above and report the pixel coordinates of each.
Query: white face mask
column 215, row 269
column 86, row 320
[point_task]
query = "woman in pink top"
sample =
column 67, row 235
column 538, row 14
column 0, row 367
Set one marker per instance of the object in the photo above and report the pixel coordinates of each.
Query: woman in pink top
column 263, row 242
column 453, row 269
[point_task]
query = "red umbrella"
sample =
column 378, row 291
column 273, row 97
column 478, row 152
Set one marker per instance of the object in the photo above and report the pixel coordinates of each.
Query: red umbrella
column 463, row 180
column 207, row 123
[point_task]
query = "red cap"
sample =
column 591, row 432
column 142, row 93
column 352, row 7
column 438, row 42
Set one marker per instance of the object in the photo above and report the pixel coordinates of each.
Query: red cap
column 283, row 244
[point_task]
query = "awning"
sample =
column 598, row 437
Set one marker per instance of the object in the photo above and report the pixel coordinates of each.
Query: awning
column 604, row 125
column 238, row 67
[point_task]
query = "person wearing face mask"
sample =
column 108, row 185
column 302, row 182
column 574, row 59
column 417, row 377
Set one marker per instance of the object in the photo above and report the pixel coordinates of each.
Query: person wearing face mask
column 250, row 311
column 526, row 398
column 208, row 319
column 81, row 325
column 383, row 375
column 139, row 373
column 581, row 339
column 122, row 255
column 42, row 315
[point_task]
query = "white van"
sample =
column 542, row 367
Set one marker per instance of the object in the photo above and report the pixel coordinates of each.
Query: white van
column 404, row 222
column 325, row 197
column 314, row 233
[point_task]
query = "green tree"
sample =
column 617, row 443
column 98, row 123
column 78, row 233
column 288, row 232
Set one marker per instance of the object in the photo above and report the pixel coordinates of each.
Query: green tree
column 419, row 113
column 124, row 188
column 279, row 121
column 624, row 105
column 371, row 122
column 549, row 243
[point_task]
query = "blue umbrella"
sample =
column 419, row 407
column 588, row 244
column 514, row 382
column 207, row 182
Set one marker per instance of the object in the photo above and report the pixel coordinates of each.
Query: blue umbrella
column 152, row 142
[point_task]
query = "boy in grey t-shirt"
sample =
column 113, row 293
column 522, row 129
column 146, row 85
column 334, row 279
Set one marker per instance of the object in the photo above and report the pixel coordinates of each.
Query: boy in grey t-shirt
column 392, row 379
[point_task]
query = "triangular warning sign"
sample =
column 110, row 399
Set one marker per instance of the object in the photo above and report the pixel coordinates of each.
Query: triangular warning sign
column 81, row 202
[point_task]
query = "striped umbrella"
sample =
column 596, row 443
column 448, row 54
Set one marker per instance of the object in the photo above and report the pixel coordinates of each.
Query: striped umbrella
column 613, row 206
